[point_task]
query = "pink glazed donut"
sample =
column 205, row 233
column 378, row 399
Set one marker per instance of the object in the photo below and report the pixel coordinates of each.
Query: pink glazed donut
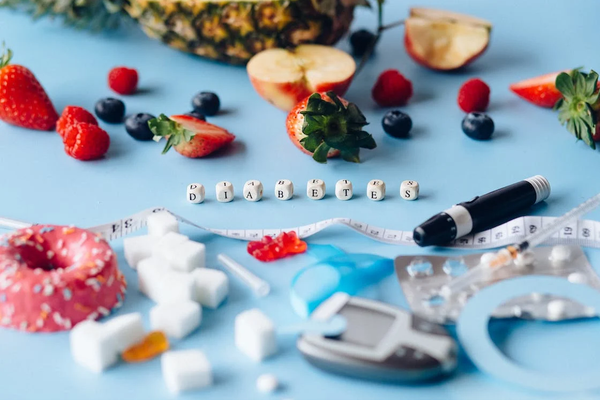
column 52, row 277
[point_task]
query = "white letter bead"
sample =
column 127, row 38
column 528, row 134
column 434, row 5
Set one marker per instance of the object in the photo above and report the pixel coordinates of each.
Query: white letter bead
column 224, row 192
column 315, row 189
column 253, row 190
column 255, row 334
column 176, row 320
column 195, row 193
column 186, row 256
column 409, row 190
column 284, row 189
column 376, row 190
column 92, row 347
column 186, row 370
column 125, row 330
column 137, row 248
column 161, row 223
column 212, row 286
column 343, row 189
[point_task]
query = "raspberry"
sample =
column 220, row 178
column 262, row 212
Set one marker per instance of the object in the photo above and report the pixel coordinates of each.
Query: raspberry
column 123, row 80
column 84, row 141
column 474, row 95
column 72, row 115
column 392, row 89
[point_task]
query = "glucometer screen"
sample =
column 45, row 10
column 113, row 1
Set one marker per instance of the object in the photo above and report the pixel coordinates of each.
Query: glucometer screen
column 364, row 327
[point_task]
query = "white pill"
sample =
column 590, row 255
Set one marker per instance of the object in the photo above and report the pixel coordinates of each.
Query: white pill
column 195, row 193
column 284, row 189
column 577, row 277
column 315, row 189
column 343, row 189
column 409, row 190
column 487, row 257
column 556, row 309
column 376, row 190
column 267, row 383
column 224, row 191
column 253, row 190
column 560, row 254
column 525, row 259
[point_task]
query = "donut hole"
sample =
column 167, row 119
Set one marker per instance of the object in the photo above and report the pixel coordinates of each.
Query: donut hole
column 41, row 257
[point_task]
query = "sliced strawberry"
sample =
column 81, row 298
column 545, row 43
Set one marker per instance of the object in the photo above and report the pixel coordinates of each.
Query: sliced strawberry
column 190, row 136
column 540, row 90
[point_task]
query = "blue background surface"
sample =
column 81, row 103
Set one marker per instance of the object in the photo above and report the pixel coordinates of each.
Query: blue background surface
column 40, row 183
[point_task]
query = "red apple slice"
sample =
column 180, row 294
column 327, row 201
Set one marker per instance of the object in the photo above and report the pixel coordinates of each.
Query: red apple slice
column 286, row 77
column 444, row 40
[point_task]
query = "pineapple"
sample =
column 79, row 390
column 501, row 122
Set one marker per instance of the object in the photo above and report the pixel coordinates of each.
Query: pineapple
column 233, row 31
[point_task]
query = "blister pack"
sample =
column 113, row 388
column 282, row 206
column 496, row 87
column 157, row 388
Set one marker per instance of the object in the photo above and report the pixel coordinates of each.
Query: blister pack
column 422, row 278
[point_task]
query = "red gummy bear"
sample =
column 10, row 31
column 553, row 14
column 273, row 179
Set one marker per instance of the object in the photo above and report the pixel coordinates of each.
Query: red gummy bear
column 271, row 249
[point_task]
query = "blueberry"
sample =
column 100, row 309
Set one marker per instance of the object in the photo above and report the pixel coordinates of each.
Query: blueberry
column 206, row 103
column 197, row 115
column 137, row 126
column 110, row 110
column 397, row 124
column 478, row 126
column 360, row 41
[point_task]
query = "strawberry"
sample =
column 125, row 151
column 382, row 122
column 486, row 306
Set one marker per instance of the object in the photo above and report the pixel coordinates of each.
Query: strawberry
column 540, row 90
column 190, row 136
column 474, row 95
column 72, row 115
column 325, row 125
column 85, row 141
column 123, row 80
column 23, row 101
column 392, row 89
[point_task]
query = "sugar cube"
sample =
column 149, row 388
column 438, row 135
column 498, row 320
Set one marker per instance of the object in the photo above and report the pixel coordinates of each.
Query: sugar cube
column 195, row 193
column 284, row 189
column 161, row 223
column 166, row 243
column 253, row 190
column 343, row 189
column 125, row 330
column 376, row 190
column 315, row 189
column 186, row 256
column 212, row 286
column 176, row 320
column 267, row 383
column 137, row 248
column 186, row 370
column 224, row 192
column 92, row 346
column 164, row 285
column 255, row 334
column 409, row 190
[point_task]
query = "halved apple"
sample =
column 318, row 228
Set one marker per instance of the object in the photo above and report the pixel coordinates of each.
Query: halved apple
column 286, row 77
column 444, row 40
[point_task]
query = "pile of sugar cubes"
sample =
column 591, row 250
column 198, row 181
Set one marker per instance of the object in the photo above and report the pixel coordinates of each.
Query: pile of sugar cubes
column 171, row 272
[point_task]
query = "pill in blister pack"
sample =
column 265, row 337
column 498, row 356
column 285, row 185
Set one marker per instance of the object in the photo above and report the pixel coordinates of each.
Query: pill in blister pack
column 423, row 277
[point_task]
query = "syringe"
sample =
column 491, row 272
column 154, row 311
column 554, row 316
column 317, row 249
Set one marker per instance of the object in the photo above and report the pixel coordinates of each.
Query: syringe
column 505, row 256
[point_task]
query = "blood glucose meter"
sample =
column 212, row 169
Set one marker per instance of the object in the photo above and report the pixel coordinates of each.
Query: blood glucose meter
column 380, row 343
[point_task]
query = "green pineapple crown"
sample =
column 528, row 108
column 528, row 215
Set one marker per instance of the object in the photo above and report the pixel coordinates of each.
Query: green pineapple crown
column 333, row 125
column 577, row 108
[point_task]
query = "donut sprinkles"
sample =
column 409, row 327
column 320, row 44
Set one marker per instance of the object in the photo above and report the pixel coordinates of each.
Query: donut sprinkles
column 53, row 277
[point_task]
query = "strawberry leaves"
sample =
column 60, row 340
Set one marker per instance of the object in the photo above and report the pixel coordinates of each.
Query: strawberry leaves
column 5, row 57
column 576, row 108
column 333, row 125
column 163, row 126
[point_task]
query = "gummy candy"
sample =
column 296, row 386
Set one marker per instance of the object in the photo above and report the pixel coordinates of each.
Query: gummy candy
column 152, row 345
column 271, row 249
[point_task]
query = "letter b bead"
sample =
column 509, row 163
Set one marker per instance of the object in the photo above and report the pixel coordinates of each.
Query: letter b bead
column 315, row 189
column 224, row 191
column 253, row 190
column 343, row 189
column 376, row 190
column 284, row 189
column 195, row 193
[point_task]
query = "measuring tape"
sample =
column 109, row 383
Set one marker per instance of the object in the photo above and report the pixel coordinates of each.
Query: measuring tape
column 582, row 233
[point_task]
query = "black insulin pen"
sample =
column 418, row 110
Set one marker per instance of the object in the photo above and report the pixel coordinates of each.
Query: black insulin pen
column 481, row 213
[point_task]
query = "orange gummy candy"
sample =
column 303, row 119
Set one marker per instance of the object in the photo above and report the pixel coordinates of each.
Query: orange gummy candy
column 152, row 345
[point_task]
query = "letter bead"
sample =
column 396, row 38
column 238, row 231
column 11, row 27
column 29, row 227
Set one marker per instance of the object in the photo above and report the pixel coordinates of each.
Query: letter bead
column 195, row 193
column 409, row 190
column 224, row 191
column 343, row 189
column 253, row 190
column 376, row 190
column 315, row 189
column 284, row 189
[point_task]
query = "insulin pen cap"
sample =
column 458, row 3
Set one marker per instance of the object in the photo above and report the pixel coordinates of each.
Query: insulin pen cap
column 482, row 212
